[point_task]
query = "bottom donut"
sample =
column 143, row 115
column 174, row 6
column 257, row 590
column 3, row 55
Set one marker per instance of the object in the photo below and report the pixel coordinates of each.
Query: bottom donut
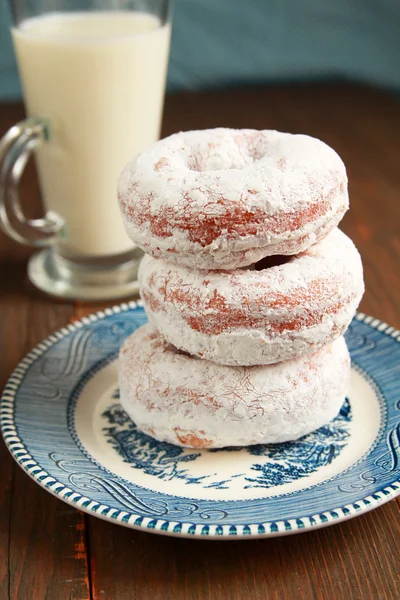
column 183, row 400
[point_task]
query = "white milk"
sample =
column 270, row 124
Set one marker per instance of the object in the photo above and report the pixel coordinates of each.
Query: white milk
column 98, row 79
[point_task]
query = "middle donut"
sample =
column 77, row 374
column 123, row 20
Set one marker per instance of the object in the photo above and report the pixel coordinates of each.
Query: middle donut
column 274, row 310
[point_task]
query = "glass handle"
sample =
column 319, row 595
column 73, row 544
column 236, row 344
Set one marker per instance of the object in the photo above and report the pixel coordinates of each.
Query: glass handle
column 16, row 148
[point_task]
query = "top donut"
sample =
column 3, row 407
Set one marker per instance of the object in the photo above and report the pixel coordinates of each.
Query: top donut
column 226, row 198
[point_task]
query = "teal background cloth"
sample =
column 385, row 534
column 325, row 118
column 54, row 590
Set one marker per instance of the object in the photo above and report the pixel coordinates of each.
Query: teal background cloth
column 217, row 43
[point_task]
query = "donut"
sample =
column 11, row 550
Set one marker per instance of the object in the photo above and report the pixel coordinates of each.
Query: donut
column 226, row 198
column 259, row 315
column 180, row 399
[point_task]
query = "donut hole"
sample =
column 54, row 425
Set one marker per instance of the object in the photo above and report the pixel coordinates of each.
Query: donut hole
column 253, row 145
column 233, row 152
column 171, row 348
column 272, row 261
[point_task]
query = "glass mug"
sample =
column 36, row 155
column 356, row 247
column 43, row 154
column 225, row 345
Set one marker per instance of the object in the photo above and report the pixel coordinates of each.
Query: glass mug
column 93, row 74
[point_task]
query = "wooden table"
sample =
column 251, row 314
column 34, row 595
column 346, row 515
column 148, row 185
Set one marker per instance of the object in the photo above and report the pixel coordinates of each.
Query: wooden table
column 50, row 550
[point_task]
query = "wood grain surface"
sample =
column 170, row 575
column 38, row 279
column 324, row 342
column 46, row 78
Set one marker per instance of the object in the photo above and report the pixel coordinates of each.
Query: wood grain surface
column 49, row 550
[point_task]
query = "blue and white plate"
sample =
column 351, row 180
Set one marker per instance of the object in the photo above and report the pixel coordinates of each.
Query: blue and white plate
column 62, row 422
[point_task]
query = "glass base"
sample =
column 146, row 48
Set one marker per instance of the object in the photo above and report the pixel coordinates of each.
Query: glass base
column 101, row 280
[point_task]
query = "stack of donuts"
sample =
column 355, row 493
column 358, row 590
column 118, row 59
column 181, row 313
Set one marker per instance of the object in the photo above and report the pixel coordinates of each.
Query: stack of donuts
column 248, row 285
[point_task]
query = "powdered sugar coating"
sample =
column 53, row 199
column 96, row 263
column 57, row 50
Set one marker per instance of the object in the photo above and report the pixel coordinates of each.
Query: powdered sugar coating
column 195, row 403
column 250, row 317
column 225, row 198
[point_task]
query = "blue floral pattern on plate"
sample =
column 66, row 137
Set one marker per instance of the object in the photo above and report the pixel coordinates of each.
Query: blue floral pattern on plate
column 285, row 462
column 343, row 469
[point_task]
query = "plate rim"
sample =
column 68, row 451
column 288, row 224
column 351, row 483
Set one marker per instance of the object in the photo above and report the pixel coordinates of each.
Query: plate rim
column 20, row 454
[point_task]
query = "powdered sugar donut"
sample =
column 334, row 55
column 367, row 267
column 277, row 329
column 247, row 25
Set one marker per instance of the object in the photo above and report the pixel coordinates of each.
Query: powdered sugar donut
column 225, row 198
column 256, row 317
column 190, row 402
